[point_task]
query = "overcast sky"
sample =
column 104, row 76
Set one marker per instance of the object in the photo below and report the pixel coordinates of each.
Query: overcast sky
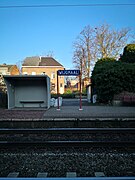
column 32, row 31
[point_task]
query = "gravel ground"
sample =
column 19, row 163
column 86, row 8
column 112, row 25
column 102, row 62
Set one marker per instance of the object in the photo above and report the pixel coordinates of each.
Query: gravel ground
column 21, row 114
column 69, row 137
column 58, row 161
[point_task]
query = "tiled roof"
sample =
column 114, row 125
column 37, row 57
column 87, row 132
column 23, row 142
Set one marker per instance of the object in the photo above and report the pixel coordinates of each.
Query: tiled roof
column 10, row 67
column 31, row 61
column 49, row 61
column 43, row 61
column 7, row 66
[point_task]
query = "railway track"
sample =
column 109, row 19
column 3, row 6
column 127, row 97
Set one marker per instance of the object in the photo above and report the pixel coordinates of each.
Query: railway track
column 65, row 130
column 68, row 137
column 70, row 143
column 32, row 159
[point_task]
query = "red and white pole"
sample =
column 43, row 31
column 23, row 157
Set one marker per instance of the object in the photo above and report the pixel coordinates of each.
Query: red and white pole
column 80, row 109
column 58, row 107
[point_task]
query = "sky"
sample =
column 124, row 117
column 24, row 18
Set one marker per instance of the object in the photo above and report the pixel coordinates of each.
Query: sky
column 38, row 31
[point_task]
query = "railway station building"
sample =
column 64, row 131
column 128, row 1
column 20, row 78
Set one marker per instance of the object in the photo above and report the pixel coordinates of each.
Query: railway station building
column 38, row 65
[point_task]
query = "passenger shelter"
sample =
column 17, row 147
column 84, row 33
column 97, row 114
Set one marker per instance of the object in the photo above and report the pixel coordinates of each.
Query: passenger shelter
column 28, row 91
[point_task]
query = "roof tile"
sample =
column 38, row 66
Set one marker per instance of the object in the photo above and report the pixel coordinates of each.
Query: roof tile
column 43, row 61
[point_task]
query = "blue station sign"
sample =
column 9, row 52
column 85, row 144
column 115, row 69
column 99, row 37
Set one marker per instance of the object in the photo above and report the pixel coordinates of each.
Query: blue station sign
column 73, row 72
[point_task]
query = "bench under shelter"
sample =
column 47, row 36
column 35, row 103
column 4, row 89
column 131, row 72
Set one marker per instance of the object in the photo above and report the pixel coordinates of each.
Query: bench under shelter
column 28, row 91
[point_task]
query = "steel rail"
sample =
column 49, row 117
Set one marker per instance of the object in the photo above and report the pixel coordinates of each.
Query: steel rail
column 70, row 143
column 65, row 130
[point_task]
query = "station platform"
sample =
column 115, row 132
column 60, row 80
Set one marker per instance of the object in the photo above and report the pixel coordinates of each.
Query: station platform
column 90, row 112
column 70, row 109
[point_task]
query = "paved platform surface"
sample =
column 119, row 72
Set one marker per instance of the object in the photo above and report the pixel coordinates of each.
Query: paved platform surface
column 69, row 109
column 90, row 111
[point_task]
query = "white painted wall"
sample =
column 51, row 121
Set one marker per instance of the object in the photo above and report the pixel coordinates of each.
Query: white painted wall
column 28, row 88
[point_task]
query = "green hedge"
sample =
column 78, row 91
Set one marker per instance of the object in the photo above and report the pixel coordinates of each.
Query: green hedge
column 68, row 96
column 63, row 95
column 128, row 54
column 112, row 77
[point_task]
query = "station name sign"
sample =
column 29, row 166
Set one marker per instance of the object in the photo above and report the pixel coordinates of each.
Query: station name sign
column 73, row 72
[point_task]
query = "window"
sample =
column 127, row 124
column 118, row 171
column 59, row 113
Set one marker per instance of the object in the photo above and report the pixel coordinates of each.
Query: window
column 52, row 87
column 33, row 73
column 61, row 85
column 53, row 75
column 25, row 73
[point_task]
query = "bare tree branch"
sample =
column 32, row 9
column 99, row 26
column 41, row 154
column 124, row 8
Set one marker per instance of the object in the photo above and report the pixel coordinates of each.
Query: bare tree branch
column 95, row 43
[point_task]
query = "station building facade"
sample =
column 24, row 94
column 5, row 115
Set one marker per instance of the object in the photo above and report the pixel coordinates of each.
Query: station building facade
column 44, row 65
column 6, row 69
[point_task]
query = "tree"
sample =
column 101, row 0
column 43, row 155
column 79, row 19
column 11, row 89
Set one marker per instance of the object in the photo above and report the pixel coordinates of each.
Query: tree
column 83, row 47
column 110, row 42
column 111, row 77
column 2, row 84
column 96, row 43
column 128, row 54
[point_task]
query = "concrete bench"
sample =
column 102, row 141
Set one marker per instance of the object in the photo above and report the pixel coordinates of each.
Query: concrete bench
column 31, row 102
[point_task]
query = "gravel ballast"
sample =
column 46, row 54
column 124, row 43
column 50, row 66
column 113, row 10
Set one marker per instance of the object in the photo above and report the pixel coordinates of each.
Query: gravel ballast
column 57, row 161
